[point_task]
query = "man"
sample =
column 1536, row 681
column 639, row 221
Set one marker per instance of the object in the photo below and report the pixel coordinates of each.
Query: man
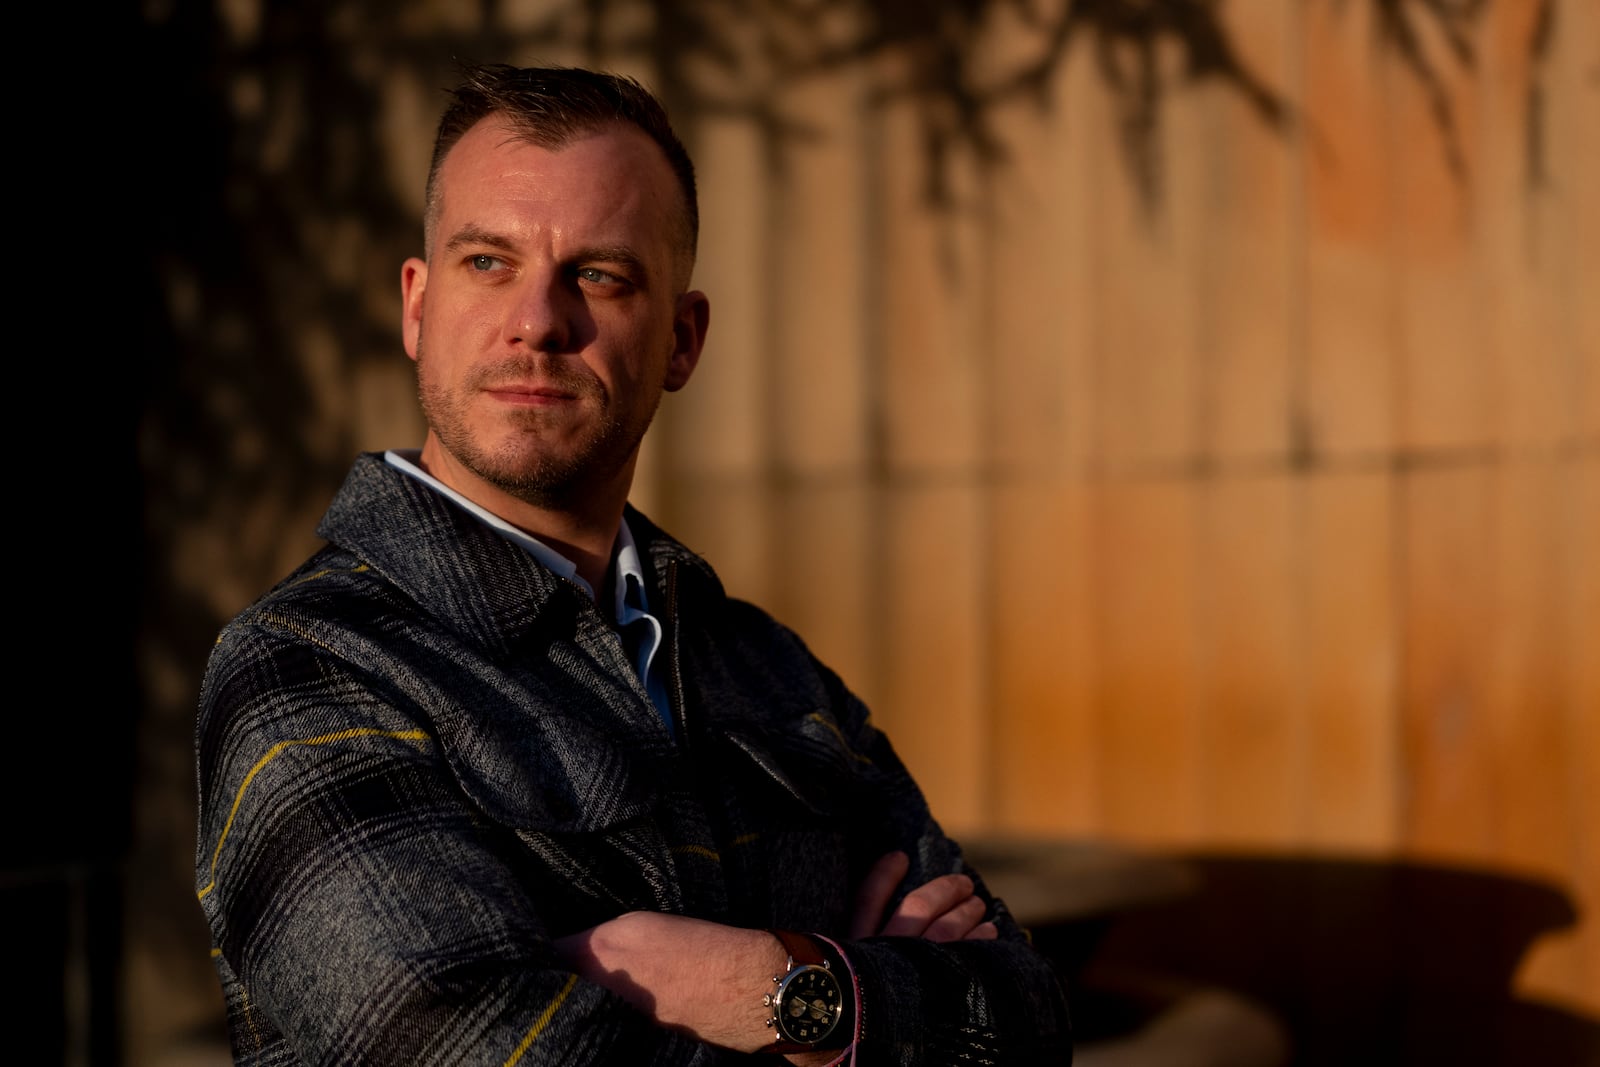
column 501, row 775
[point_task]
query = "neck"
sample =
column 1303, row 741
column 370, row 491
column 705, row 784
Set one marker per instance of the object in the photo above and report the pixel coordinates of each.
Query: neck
column 584, row 530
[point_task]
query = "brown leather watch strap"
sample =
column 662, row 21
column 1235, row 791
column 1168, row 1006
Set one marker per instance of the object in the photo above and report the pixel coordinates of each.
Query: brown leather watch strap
column 800, row 947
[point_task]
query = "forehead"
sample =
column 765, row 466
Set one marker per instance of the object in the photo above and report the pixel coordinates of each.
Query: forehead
column 613, row 184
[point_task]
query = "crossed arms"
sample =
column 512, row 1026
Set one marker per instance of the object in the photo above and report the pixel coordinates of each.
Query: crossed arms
column 363, row 910
column 643, row 957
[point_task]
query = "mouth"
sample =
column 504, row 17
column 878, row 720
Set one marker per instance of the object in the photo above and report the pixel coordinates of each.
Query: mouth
column 530, row 393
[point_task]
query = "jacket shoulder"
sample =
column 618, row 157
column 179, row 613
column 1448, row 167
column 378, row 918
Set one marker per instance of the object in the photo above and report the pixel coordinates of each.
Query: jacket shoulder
column 329, row 583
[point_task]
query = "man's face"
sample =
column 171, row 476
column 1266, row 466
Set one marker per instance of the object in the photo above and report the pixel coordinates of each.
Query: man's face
column 548, row 318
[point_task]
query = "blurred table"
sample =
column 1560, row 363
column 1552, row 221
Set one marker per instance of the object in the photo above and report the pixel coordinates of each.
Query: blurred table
column 1051, row 881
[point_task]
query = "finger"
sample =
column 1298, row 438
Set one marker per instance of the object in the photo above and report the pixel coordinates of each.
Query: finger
column 957, row 923
column 926, row 903
column 876, row 890
column 984, row 931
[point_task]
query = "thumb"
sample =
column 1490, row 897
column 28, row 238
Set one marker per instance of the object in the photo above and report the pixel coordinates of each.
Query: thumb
column 876, row 890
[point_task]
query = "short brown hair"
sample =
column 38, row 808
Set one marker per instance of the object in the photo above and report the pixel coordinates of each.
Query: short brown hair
column 550, row 107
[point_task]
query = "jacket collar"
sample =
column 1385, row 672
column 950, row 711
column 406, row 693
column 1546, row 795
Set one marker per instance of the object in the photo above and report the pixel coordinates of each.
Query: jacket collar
column 467, row 574
column 660, row 552
column 440, row 555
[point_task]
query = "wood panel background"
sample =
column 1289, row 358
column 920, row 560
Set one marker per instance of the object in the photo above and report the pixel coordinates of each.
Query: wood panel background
column 1179, row 421
column 1259, row 514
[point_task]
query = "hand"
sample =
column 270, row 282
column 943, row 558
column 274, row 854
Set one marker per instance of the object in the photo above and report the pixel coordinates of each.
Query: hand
column 946, row 908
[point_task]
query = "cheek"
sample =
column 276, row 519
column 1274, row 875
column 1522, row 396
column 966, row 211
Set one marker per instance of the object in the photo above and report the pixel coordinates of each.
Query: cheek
column 634, row 352
column 450, row 333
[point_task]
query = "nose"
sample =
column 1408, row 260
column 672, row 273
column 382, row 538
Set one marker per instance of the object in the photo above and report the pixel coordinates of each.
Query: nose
column 541, row 314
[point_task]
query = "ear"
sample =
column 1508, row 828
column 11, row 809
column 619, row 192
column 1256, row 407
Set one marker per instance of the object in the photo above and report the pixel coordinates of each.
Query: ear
column 689, row 324
column 413, row 280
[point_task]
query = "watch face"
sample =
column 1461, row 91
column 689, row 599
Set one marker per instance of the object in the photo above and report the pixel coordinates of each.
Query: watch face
column 808, row 1004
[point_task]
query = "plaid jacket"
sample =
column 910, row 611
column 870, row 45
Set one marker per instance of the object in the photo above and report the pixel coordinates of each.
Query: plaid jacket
column 423, row 756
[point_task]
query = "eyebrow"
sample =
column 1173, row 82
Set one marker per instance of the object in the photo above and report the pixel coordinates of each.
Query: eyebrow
column 479, row 237
column 619, row 254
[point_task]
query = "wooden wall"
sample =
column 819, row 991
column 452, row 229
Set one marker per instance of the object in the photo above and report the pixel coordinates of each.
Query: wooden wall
column 1260, row 510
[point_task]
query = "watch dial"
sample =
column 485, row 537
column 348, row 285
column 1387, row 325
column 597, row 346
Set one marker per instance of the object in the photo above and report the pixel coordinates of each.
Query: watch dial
column 808, row 1007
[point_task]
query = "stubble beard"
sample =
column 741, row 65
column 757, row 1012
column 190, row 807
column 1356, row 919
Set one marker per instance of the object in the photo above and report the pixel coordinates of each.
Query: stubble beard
column 523, row 462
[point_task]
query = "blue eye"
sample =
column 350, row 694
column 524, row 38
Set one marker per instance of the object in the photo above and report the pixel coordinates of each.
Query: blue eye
column 485, row 263
column 599, row 282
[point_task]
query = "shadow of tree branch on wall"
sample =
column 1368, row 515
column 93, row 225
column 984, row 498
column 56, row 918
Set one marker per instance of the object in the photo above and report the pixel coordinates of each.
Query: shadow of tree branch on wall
column 275, row 213
column 1401, row 25
column 1403, row 28
column 725, row 58
column 940, row 61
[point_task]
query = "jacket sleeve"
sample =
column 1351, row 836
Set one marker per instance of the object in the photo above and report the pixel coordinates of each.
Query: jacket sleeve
column 361, row 910
column 996, row 1002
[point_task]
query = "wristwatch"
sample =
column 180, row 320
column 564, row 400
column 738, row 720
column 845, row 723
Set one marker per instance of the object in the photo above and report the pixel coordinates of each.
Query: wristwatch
column 808, row 1003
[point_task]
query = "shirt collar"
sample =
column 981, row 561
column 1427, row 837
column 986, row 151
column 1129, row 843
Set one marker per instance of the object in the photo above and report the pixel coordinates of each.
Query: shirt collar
column 632, row 601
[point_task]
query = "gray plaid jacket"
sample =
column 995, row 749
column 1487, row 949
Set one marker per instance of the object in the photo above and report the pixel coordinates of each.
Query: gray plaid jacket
column 423, row 756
